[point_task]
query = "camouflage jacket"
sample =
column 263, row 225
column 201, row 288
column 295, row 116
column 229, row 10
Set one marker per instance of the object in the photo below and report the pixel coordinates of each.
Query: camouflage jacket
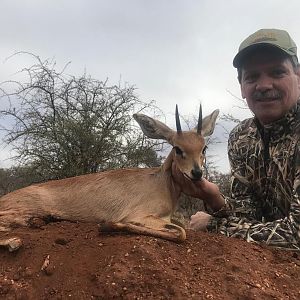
column 265, row 201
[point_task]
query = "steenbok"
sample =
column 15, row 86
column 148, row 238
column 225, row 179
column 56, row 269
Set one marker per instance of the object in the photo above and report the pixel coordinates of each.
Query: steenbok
column 137, row 200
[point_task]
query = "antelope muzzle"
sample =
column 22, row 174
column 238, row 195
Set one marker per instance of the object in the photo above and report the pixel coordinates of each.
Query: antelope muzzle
column 196, row 173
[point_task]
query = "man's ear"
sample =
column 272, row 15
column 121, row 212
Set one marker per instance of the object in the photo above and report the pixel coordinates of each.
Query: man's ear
column 240, row 78
column 242, row 90
column 297, row 72
column 242, row 93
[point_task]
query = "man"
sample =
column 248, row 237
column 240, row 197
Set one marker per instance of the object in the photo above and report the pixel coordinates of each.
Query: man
column 264, row 151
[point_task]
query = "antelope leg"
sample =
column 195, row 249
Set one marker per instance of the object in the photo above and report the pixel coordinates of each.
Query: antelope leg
column 149, row 225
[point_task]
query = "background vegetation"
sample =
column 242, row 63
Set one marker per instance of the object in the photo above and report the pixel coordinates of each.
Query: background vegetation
column 61, row 126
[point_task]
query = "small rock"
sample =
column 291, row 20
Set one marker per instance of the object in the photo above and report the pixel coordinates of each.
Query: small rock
column 61, row 241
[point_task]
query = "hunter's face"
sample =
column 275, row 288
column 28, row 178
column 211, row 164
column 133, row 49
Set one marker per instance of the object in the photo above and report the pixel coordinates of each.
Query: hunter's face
column 271, row 86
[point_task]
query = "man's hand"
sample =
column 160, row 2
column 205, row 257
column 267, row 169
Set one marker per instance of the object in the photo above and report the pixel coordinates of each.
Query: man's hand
column 199, row 221
column 202, row 189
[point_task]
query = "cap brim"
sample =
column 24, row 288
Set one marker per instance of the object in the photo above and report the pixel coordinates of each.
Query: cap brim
column 241, row 56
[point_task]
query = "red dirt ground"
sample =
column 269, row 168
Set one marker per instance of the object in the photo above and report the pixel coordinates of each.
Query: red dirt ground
column 84, row 264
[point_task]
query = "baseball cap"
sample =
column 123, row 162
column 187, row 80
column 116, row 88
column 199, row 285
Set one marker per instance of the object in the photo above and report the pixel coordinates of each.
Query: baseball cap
column 275, row 38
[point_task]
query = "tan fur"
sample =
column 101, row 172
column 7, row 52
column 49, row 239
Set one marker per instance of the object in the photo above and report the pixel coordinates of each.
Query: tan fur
column 136, row 200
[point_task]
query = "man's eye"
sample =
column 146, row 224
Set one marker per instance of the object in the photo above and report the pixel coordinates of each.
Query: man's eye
column 278, row 73
column 250, row 78
column 204, row 150
column 178, row 151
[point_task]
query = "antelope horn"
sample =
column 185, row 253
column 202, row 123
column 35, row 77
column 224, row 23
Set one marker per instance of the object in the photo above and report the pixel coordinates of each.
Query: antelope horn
column 178, row 126
column 199, row 127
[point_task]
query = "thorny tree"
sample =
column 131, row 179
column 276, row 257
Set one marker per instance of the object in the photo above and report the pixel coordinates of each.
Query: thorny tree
column 65, row 126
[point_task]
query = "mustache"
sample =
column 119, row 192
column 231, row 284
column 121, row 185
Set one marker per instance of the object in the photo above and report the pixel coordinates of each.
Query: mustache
column 270, row 94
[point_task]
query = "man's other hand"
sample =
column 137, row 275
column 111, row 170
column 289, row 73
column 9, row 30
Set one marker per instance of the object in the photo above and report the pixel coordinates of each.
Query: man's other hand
column 199, row 221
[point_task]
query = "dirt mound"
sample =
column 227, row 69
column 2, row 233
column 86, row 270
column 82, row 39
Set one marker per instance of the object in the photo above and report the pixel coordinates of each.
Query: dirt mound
column 83, row 264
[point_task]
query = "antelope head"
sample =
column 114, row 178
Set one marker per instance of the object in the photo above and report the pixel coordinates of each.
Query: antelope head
column 188, row 146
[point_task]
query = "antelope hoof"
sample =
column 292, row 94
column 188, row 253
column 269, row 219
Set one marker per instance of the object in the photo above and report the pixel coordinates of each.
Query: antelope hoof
column 12, row 244
column 178, row 231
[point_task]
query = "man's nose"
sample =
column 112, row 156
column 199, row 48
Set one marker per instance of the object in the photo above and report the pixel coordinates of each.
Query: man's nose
column 264, row 83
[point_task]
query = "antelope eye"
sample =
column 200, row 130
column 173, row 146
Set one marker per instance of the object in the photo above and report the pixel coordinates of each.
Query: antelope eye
column 178, row 151
column 204, row 150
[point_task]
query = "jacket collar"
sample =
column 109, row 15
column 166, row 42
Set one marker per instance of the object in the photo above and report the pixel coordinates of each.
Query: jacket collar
column 280, row 128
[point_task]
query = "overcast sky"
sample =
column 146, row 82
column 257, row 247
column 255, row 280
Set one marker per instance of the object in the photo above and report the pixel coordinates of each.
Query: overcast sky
column 172, row 51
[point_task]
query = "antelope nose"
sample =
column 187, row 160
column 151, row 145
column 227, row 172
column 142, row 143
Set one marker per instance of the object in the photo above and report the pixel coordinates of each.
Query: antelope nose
column 197, row 173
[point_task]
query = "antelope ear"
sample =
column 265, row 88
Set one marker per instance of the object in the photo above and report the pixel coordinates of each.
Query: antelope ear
column 154, row 129
column 209, row 123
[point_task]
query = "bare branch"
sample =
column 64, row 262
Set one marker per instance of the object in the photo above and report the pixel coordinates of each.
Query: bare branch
column 67, row 126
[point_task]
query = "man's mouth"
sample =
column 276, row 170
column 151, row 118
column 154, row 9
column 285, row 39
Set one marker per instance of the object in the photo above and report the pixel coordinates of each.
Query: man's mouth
column 267, row 99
